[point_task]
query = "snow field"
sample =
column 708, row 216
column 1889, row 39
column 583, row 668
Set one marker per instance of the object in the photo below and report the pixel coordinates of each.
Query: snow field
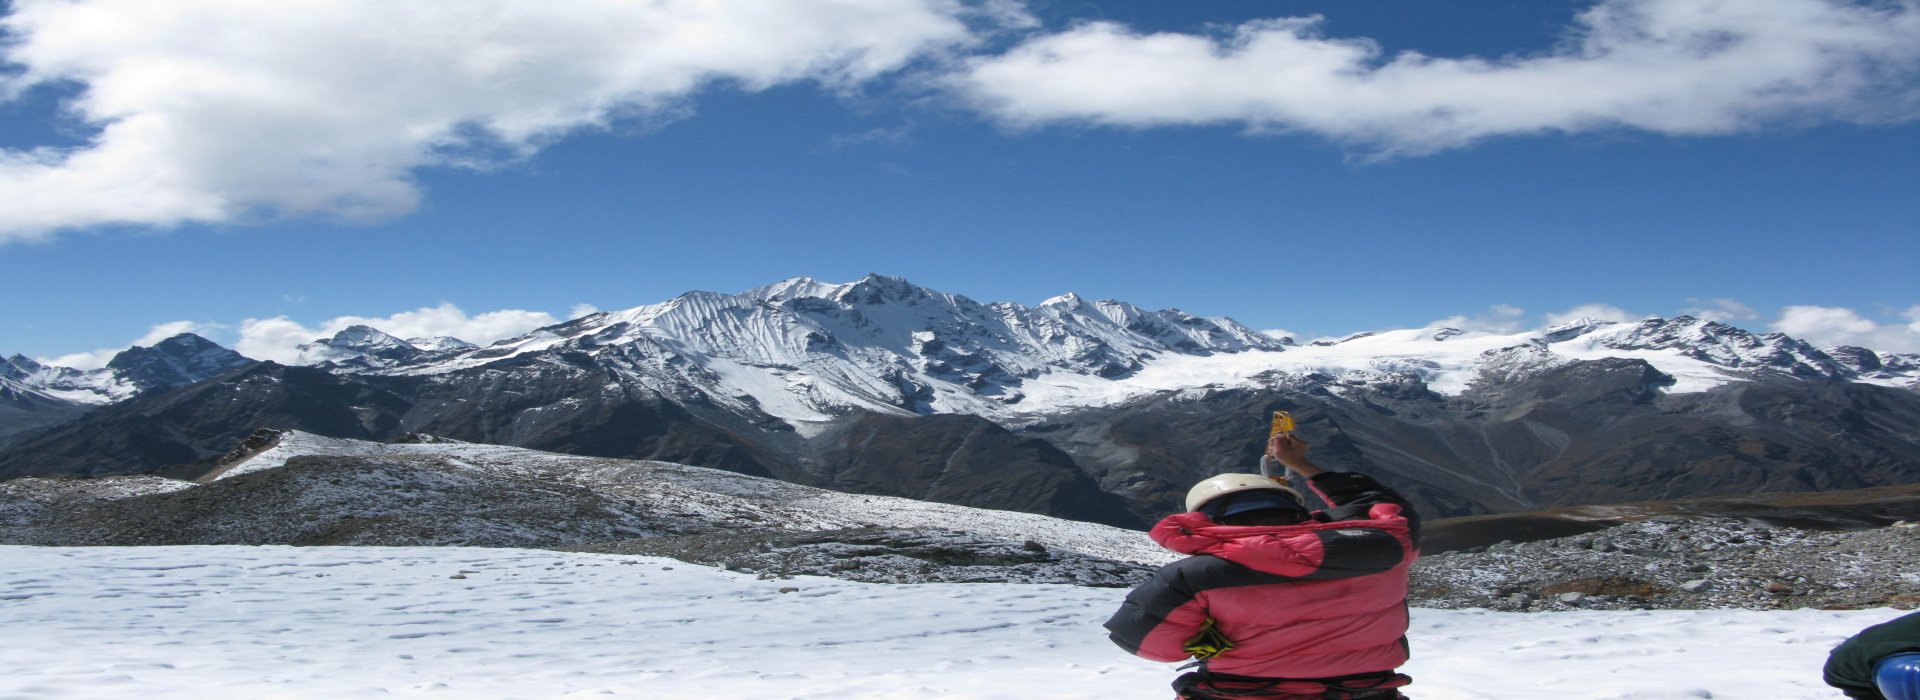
column 282, row 622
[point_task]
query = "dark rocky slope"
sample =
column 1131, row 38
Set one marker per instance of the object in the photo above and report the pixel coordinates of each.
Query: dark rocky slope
column 1588, row 432
column 1677, row 563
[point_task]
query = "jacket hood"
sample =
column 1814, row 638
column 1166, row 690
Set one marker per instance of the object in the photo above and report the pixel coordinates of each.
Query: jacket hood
column 1318, row 550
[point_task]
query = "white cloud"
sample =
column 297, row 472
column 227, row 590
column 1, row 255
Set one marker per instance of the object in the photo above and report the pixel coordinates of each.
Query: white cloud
column 168, row 330
column 1665, row 66
column 1498, row 319
column 278, row 338
column 215, row 111
column 1597, row 312
column 1281, row 334
column 582, row 310
column 100, row 358
column 1827, row 326
column 1722, row 310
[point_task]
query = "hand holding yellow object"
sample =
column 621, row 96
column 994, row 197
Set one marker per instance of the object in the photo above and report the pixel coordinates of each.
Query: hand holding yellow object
column 1282, row 424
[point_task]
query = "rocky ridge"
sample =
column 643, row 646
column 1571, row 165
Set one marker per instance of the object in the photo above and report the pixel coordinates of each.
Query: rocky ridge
column 1670, row 562
column 307, row 490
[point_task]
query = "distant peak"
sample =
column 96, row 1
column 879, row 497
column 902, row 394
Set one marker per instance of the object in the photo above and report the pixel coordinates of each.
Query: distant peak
column 878, row 278
column 895, row 286
column 782, row 286
column 185, row 340
column 1582, row 322
column 1069, row 300
column 792, row 288
column 366, row 338
column 441, row 343
column 181, row 346
column 361, row 332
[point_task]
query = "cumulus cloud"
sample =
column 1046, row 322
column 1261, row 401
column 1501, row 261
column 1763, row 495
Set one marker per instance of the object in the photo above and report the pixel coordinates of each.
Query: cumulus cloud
column 217, row 111
column 1597, row 312
column 100, row 358
column 1281, row 334
column 1722, row 310
column 1828, row 326
column 1498, row 319
column 278, row 338
column 1666, row 66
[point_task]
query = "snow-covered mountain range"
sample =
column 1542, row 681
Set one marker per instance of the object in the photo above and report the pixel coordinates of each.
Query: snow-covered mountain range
column 882, row 386
column 806, row 351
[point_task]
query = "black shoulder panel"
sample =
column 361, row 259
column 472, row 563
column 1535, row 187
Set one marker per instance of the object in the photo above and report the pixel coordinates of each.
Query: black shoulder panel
column 1356, row 551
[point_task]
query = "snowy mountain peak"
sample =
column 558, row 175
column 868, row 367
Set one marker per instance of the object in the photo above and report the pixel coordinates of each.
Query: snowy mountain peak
column 177, row 361
column 359, row 347
column 1069, row 300
column 871, row 291
column 791, row 289
column 441, row 344
column 18, row 367
column 183, row 348
column 1574, row 329
column 65, row 382
column 879, row 289
column 1874, row 366
column 366, row 337
column 1722, row 345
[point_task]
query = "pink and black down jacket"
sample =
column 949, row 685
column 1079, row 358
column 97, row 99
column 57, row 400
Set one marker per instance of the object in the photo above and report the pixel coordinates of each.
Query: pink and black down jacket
column 1321, row 599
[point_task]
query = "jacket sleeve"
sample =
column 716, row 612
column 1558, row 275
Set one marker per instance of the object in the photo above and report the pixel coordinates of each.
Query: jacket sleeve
column 1850, row 666
column 1353, row 495
column 1157, row 619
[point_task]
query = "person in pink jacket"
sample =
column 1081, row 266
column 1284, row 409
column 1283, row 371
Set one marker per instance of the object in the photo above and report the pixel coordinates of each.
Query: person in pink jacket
column 1276, row 601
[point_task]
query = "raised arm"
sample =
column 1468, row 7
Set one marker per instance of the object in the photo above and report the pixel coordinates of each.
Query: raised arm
column 1351, row 495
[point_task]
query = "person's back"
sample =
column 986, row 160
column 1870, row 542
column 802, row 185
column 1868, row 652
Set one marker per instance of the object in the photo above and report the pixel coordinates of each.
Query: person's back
column 1277, row 602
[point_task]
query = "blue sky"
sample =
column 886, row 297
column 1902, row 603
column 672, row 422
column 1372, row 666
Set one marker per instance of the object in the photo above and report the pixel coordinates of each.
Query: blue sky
column 264, row 178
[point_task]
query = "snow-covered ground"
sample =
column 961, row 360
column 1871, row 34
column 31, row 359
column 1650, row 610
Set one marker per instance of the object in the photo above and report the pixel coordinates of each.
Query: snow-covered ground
column 278, row 622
